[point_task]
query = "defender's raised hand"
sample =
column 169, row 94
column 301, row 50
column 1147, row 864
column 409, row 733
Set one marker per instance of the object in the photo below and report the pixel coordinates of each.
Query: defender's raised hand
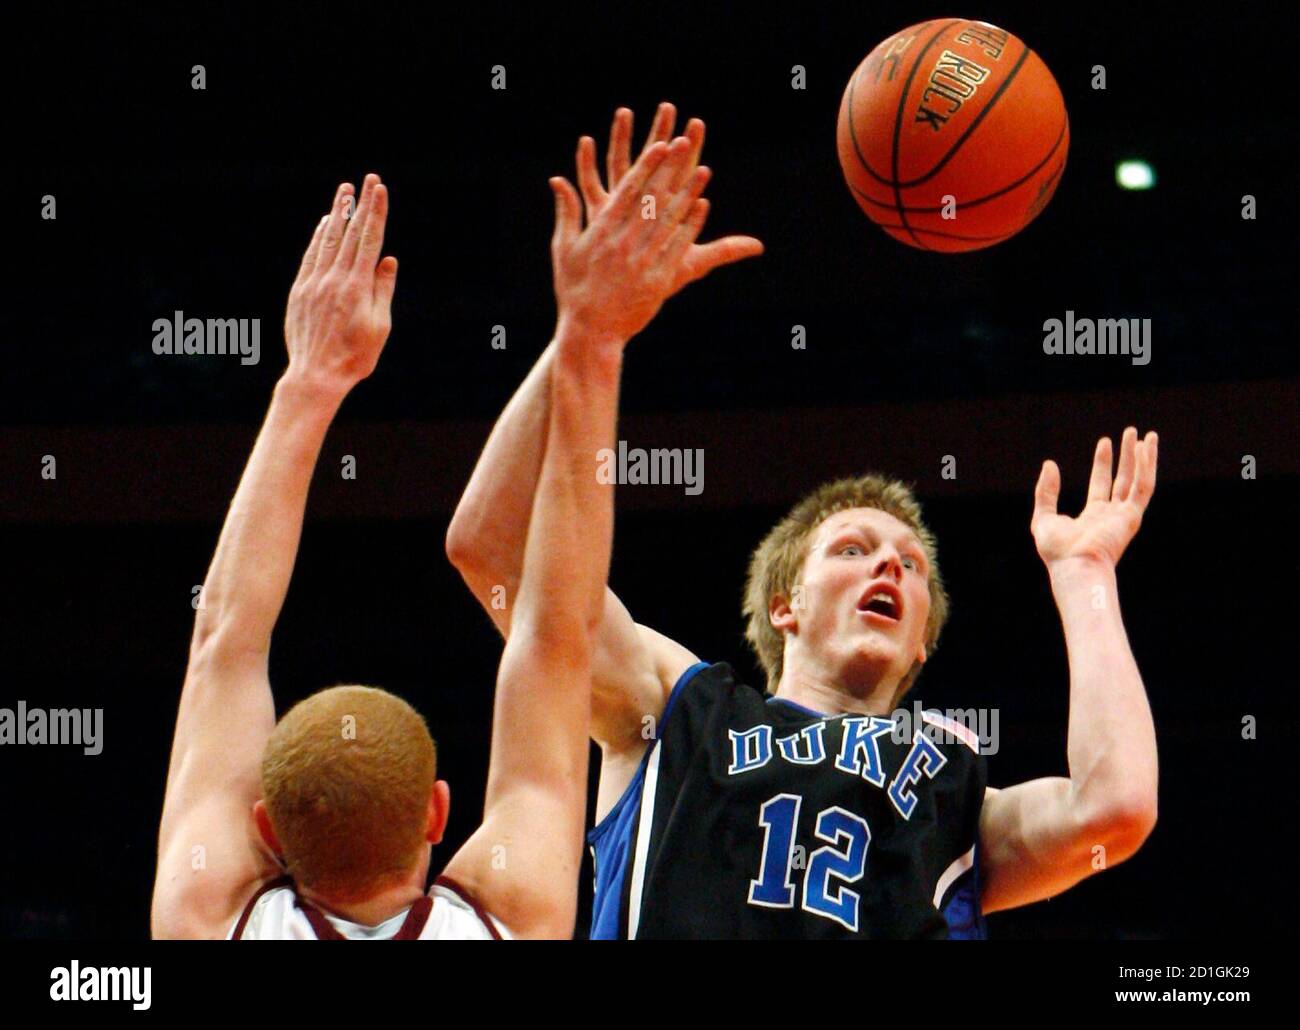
column 339, row 312
column 662, row 249
column 1113, row 512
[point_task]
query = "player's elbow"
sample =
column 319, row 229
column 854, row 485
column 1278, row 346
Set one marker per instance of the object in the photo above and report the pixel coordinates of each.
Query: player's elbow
column 1124, row 826
column 170, row 919
column 461, row 545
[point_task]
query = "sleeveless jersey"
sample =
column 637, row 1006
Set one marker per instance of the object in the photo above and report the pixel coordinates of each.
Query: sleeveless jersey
column 753, row 817
column 447, row 913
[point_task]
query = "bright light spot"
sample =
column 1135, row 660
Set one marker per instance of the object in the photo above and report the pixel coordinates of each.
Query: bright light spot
column 1135, row 175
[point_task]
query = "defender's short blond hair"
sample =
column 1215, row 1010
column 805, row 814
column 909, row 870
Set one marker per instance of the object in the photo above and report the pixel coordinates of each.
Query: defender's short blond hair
column 346, row 779
column 777, row 563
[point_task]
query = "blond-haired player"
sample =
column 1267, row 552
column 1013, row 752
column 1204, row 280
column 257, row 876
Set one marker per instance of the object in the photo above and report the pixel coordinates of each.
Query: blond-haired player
column 813, row 812
column 321, row 827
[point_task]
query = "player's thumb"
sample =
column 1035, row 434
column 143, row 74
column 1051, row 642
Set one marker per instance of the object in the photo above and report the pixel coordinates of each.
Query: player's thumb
column 705, row 257
column 568, row 211
column 1048, row 490
column 385, row 284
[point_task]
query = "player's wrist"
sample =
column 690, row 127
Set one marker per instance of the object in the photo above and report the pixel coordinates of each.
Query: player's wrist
column 301, row 387
column 1080, row 569
column 575, row 333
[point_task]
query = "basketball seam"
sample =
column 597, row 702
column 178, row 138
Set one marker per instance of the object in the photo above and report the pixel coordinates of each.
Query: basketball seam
column 1060, row 137
column 949, row 235
column 970, row 129
column 898, row 129
column 853, row 131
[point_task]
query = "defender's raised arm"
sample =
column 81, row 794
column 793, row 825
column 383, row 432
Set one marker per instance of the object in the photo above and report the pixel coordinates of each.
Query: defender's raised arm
column 335, row 328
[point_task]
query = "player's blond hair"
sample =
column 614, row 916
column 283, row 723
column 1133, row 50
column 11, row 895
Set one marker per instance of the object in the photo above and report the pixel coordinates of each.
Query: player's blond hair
column 346, row 779
column 777, row 563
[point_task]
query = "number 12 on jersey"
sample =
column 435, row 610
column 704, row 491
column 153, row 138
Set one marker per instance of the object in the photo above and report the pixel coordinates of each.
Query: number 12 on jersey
column 843, row 857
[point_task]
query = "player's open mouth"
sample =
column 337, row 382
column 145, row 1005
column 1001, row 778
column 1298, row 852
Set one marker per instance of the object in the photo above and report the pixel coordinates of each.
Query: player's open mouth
column 882, row 602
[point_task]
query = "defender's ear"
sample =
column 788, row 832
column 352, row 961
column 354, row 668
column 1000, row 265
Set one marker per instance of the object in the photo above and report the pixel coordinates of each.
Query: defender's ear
column 439, row 810
column 262, row 818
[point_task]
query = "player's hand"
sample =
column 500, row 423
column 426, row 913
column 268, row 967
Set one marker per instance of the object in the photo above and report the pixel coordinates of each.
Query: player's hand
column 1113, row 512
column 700, row 258
column 590, row 289
column 339, row 312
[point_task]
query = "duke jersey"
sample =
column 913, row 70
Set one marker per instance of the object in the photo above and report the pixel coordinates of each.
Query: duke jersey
column 756, row 817
column 447, row 913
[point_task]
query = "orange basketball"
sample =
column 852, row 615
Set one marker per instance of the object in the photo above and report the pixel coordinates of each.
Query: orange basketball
column 952, row 135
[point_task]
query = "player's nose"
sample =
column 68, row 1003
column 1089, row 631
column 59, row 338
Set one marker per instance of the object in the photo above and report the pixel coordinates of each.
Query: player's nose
column 888, row 563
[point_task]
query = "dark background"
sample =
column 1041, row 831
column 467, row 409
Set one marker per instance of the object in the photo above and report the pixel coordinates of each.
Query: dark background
column 171, row 198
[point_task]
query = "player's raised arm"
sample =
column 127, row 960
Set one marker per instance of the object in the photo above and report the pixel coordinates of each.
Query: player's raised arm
column 209, row 856
column 1040, row 837
column 523, row 862
column 485, row 541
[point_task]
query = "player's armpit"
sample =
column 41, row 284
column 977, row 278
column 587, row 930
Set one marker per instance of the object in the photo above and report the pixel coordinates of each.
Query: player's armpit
column 209, row 865
column 1037, row 840
column 522, row 863
column 634, row 669
column 210, row 858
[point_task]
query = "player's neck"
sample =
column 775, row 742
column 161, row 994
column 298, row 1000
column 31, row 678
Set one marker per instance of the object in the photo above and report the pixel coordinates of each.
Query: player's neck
column 373, row 910
column 824, row 695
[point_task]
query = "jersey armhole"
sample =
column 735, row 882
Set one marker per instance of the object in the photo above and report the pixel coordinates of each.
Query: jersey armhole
column 237, row 931
column 484, row 916
column 633, row 788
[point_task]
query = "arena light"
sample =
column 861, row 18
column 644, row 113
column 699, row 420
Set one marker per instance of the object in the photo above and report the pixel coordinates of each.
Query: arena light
column 1134, row 175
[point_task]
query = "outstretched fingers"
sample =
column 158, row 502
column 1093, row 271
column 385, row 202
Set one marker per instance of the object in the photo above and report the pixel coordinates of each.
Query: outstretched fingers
column 593, row 193
column 312, row 253
column 695, row 133
column 1127, row 462
column 676, row 208
column 630, row 190
column 1148, row 457
column 371, row 234
column 1099, row 482
column 664, row 185
column 352, row 237
column 333, row 237
column 687, row 232
column 661, row 129
column 619, row 157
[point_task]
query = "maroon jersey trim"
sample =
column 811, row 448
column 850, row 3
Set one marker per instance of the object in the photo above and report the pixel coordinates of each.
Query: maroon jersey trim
column 412, row 925
column 270, row 885
column 471, row 901
column 410, row 930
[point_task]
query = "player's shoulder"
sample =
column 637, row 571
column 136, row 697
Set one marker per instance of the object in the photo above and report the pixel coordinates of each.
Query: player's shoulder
column 710, row 681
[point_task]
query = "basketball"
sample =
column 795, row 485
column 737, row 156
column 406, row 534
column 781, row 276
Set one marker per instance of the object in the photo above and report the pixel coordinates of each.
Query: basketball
column 952, row 135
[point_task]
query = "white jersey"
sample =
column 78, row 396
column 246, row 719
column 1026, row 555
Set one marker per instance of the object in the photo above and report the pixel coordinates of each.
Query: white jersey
column 446, row 913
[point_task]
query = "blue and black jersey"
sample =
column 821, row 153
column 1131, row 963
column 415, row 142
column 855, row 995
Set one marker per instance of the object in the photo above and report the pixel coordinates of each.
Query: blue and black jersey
column 753, row 817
